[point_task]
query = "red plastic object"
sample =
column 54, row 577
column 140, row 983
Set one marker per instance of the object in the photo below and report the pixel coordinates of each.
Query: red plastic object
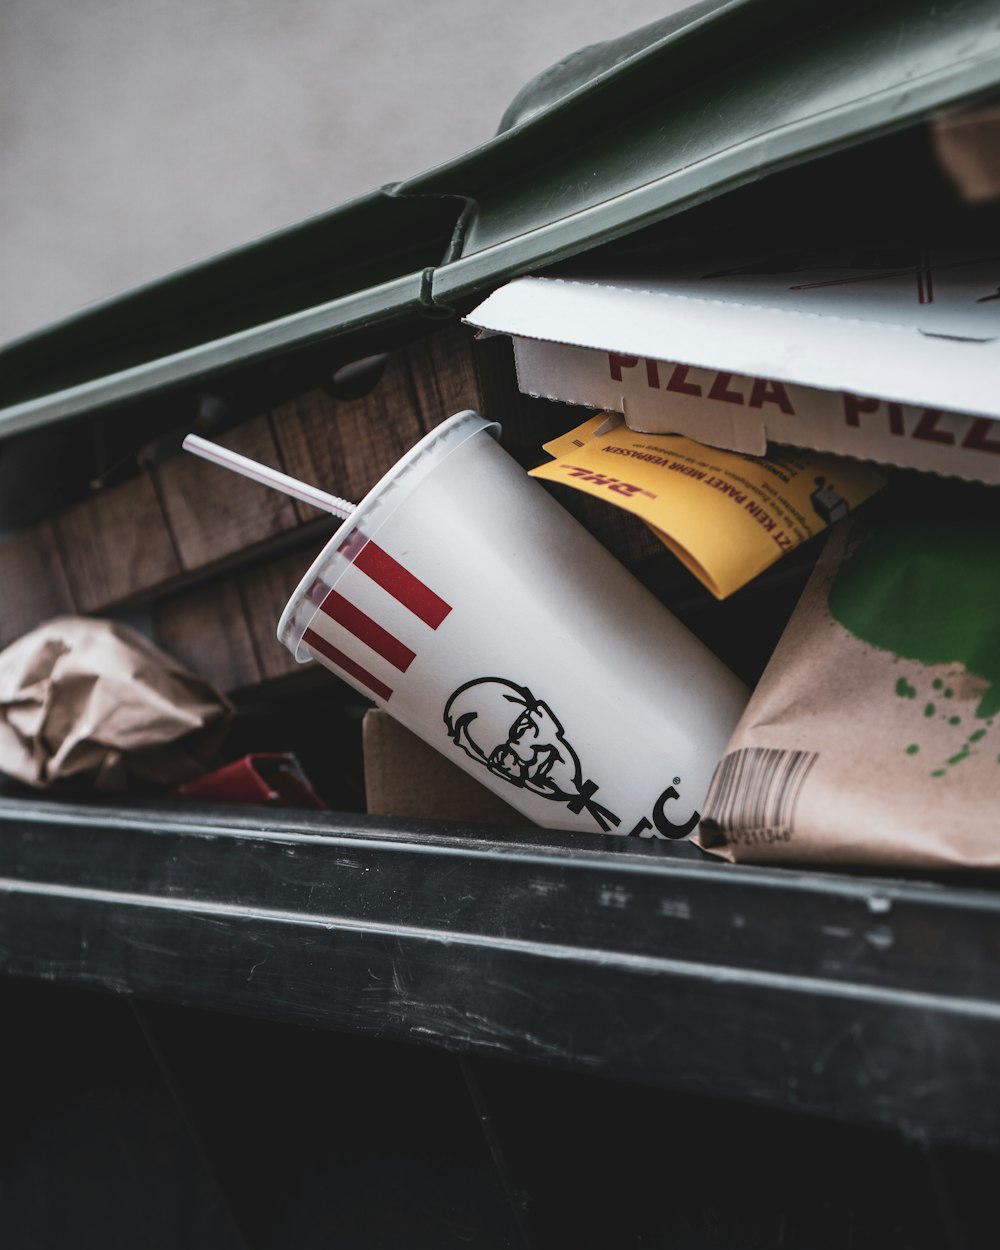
column 270, row 778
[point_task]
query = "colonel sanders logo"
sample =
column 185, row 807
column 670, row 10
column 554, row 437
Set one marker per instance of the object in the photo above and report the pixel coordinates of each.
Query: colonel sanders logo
column 517, row 737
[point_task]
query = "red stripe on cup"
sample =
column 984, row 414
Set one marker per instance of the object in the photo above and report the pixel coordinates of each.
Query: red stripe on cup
column 370, row 632
column 410, row 591
column 361, row 675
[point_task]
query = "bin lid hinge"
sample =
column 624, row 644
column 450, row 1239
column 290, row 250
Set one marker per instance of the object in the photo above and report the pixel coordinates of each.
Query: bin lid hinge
column 429, row 305
column 469, row 207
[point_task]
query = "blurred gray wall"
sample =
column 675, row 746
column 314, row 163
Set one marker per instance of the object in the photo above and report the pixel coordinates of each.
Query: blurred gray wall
column 137, row 136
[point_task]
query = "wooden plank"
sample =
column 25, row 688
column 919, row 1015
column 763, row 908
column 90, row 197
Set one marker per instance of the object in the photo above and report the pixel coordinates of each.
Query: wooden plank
column 33, row 582
column 207, row 631
column 265, row 591
column 115, row 545
column 445, row 376
column 212, row 513
column 345, row 446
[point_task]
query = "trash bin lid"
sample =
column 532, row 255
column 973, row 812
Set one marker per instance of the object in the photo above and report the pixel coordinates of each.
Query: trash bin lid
column 617, row 137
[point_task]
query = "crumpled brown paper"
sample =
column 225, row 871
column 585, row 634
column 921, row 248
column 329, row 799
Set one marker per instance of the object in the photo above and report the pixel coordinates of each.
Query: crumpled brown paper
column 94, row 701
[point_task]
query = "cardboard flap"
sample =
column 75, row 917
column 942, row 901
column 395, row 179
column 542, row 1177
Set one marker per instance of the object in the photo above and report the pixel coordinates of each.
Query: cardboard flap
column 863, row 331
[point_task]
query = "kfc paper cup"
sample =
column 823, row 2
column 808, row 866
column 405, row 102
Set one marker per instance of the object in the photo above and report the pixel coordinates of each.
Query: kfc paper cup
column 462, row 599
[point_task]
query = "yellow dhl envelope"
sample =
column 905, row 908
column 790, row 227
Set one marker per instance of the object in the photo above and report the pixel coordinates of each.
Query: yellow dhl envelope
column 727, row 517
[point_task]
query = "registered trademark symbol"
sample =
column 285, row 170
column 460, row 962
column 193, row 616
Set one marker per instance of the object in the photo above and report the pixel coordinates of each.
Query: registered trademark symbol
column 677, row 781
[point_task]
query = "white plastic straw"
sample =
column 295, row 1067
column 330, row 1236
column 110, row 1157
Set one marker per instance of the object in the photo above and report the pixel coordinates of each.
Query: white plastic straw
column 267, row 477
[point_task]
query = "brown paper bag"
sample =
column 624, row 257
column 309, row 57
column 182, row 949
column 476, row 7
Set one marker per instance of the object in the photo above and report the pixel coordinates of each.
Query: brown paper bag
column 93, row 700
column 874, row 734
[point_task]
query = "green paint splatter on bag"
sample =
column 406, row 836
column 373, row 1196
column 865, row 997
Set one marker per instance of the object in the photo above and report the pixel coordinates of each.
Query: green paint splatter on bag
column 927, row 592
column 930, row 593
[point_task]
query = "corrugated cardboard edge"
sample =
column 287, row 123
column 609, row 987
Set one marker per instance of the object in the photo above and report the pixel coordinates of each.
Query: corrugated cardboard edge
column 405, row 777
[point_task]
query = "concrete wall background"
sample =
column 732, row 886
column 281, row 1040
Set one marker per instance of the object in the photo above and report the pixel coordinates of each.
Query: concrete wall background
column 137, row 136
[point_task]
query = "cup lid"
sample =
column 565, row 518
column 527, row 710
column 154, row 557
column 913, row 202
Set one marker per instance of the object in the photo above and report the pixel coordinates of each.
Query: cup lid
column 391, row 490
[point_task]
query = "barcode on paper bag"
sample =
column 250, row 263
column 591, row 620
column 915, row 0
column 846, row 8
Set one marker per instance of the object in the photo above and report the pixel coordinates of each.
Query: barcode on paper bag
column 754, row 792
